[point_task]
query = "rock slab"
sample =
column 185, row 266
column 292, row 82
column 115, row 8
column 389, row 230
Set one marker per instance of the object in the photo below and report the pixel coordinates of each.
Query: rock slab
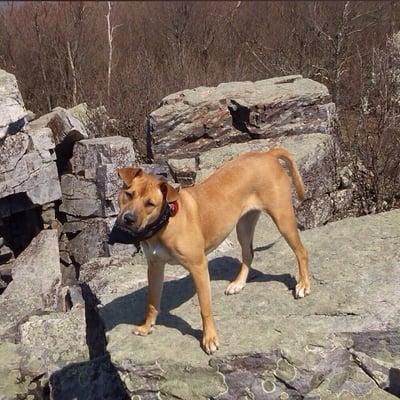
column 12, row 109
column 33, row 290
column 27, row 170
column 342, row 341
column 195, row 120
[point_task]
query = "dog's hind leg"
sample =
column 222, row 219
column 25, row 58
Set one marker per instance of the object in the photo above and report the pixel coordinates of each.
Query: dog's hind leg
column 245, row 232
column 284, row 218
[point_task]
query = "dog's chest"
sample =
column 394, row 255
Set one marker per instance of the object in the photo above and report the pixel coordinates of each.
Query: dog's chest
column 159, row 252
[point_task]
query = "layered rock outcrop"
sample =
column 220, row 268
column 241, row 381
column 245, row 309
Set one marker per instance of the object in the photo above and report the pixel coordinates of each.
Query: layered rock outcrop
column 195, row 131
column 196, row 120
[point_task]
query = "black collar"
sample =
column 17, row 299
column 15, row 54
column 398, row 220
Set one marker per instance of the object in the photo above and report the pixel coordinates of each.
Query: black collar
column 122, row 234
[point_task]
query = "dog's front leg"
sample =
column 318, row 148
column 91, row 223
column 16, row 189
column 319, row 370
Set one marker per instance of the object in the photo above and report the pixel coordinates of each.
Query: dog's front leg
column 201, row 280
column 155, row 276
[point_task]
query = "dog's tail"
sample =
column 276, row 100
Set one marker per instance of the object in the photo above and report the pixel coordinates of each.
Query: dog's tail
column 283, row 154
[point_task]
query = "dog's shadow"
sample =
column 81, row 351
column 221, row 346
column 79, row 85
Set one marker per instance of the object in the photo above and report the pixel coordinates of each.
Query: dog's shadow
column 130, row 309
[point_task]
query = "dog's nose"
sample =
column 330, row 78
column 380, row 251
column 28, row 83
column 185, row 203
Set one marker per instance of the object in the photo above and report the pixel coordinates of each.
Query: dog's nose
column 129, row 218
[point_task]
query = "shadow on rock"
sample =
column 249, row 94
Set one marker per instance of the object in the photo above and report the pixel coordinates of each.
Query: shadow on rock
column 94, row 379
column 130, row 309
column 394, row 382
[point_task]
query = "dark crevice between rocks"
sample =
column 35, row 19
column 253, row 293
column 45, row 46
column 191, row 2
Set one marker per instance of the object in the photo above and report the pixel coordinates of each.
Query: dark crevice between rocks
column 16, row 231
column 240, row 116
column 149, row 140
column 64, row 151
column 241, row 120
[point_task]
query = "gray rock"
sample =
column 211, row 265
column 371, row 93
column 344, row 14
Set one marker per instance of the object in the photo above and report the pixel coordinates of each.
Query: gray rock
column 332, row 343
column 3, row 284
column 56, row 339
column 313, row 153
column 328, row 343
column 48, row 343
column 36, row 278
column 48, row 215
column 92, row 240
column 90, row 197
column 157, row 169
column 14, row 382
column 198, row 119
column 12, row 110
column 27, row 169
column 65, row 129
column 92, row 153
column 95, row 120
column 112, row 277
column 64, row 126
column 79, row 196
column 5, row 253
column 30, row 116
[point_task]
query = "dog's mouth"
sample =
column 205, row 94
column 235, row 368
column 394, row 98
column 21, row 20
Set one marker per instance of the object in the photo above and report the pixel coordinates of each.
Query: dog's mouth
column 121, row 233
column 127, row 228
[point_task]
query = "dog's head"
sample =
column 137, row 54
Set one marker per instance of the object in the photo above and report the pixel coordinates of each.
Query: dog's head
column 142, row 198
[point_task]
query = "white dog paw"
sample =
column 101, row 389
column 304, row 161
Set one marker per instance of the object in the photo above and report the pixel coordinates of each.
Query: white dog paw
column 234, row 288
column 301, row 291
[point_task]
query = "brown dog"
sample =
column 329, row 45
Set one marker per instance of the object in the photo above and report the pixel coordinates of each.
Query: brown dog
column 203, row 217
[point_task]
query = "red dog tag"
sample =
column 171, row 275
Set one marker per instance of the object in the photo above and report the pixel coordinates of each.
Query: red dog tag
column 174, row 208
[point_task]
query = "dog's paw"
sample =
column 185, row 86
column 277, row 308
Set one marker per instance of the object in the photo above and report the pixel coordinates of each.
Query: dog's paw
column 210, row 343
column 142, row 330
column 234, row 287
column 302, row 290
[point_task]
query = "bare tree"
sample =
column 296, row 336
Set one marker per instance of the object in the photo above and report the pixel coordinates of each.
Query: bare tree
column 338, row 40
column 38, row 9
column 110, row 31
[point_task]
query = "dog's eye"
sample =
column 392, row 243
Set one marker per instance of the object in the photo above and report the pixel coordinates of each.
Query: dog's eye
column 128, row 195
column 149, row 203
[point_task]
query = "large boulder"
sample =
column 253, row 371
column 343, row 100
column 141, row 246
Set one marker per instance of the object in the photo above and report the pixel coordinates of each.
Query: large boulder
column 47, row 343
column 90, row 196
column 195, row 120
column 56, row 339
column 92, row 153
column 332, row 344
column 34, row 288
column 314, row 156
column 66, row 130
column 12, row 110
column 95, row 120
column 27, row 169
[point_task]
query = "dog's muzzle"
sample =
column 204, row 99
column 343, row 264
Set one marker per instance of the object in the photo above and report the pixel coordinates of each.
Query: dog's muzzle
column 121, row 233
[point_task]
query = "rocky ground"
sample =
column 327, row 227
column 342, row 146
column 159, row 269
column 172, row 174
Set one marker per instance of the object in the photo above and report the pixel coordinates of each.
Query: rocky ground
column 68, row 300
column 342, row 341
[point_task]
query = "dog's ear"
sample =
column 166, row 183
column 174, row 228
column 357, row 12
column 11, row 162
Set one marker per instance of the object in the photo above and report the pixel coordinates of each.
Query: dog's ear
column 128, row 174
column 171, row 194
